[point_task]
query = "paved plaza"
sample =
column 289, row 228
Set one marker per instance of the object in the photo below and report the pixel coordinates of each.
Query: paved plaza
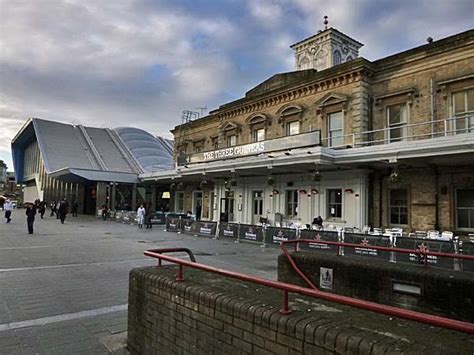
column 64, row 289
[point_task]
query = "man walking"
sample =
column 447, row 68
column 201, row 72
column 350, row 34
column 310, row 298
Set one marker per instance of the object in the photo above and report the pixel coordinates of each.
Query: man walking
column 30, row 216
column 62, row 210
column 8, row 207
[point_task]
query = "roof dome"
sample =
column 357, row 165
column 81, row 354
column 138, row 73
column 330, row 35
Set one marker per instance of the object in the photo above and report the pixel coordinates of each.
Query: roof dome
column 153, row 153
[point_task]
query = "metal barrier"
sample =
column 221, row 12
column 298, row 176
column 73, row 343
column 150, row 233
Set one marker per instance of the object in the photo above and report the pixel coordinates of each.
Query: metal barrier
column 286, row 288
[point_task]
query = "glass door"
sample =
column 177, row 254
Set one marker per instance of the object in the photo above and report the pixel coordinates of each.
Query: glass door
column 257, row 206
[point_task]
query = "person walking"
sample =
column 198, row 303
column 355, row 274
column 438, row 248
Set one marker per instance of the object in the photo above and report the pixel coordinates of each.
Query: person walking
column 53, row 208
column 62, row 210
column 74, row 208
column 30, row 216
column 104, row 212
column 8, row 207
column 141, row 216
column 42, row 208
column 149, row 217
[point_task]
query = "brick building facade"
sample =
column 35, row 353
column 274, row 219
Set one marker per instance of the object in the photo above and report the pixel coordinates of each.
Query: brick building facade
column 388, row 143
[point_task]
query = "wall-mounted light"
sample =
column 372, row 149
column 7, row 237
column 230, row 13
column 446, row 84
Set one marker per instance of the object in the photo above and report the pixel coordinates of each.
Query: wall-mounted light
column 287, row 153
column 349, row 191
column 275, row 192
column 303, row 192
column 314, row 192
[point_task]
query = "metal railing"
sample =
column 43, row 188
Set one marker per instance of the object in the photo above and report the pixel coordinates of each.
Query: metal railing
column 287, row 288
column 428, row 130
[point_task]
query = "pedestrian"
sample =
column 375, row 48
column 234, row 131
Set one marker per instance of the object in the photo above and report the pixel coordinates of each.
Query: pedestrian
column 198, row 212
column 317, row 222
column 30, row 216
column 75, row 207
column 149, row 217
column 62, row 210
column 53, row 208
column 8, row 207
column 141, row 216
column 104, row 212
column 42, row 208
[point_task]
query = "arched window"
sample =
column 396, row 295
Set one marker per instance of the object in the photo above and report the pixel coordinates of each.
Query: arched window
column 337, row 59
column 349, row 58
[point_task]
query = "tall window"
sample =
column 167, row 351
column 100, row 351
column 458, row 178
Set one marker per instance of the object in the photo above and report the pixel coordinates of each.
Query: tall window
column 463, row 110
column 231, row 140
column 335, row 203
column 291, row 203
column 335, row 125
column 179, row 201
column 259, row 135
column 215, row 143
column 465, row 209
column 398, row 206
column 293, row 128
column 397, row 119
column 198, row 146
column 337, row 58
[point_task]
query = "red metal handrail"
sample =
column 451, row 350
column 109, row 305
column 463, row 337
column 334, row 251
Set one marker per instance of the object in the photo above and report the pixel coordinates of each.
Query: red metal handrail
column 285, row 287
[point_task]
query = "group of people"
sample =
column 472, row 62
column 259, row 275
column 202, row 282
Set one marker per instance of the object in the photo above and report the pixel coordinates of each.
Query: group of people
column 144, row 216
column 60, row 209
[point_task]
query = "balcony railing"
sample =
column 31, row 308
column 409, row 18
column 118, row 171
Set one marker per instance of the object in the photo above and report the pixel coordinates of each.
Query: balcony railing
column 404, row 133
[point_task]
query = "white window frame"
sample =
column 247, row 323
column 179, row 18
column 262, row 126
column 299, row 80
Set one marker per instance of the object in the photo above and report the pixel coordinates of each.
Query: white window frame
column 465, row 115
column 456, row 208
column 232, row 140
column 330, row 131
column 390, row 207
column 256, row 137
column 294, row 204
column 401, row 125
column 329, row 204
column 289, row 128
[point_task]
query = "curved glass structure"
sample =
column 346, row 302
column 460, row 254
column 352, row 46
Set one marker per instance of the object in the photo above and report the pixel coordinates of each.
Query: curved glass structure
column 153, row 153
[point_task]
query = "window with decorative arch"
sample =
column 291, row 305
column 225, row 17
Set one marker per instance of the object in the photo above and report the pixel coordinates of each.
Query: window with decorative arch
column 230, row 131
column 258, row 127
column 337, row 58
column 291, row 117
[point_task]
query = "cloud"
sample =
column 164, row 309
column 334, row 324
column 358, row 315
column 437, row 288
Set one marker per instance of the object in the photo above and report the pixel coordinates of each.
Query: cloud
column 141, row 62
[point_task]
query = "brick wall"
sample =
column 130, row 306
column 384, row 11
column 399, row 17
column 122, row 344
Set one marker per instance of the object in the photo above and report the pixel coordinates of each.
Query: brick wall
column 215, row 315
column 444, row 292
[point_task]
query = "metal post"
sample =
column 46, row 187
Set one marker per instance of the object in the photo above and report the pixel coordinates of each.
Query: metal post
column 264, row 239
column 285, row 309
column 238, row 233
column 180, row 276
column 179, row 225
column 216, row 236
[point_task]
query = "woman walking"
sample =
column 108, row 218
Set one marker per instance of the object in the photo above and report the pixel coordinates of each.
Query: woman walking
column 141, row 216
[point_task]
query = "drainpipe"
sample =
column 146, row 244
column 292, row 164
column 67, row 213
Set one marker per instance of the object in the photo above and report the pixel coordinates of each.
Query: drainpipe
column 381, row 199
column 432, row 92
column 436, row 225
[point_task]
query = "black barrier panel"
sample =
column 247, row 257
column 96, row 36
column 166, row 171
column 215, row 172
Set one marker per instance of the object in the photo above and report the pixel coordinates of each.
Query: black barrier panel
column 365, row 241
column 228, row 230
column 207, row 229
column 158, row 218
column 276, row 235
column 468, row 249
column 251, row 233
column 187, row 225
column 319, row 235
column 427, row 245
column 172, row 224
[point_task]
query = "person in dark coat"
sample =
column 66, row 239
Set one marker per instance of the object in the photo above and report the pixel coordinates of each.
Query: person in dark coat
column 62, row 211
column 104, row 212
column 198, row 212
column 53, row 208
column 30, row 216
column 75, row 207
column 42, row 208
column 148, row 217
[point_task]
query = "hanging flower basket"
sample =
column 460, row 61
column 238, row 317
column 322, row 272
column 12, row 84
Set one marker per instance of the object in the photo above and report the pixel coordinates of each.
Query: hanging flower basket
column 395, row 178
column 316, row 176
column 203, row 184
column 180, row 186
column 271, row 180
column 173, row 186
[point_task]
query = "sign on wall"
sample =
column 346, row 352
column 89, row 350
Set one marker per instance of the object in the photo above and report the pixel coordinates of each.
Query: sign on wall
column 325, row 278
column 270, row 145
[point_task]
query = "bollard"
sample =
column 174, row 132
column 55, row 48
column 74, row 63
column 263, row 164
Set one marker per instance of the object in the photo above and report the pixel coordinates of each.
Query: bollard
column 238, row 233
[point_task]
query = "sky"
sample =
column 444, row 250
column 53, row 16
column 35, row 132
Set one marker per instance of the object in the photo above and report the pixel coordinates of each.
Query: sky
column 140, row 63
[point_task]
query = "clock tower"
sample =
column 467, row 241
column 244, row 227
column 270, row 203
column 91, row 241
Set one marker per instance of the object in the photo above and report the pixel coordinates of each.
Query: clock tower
column 325, row 49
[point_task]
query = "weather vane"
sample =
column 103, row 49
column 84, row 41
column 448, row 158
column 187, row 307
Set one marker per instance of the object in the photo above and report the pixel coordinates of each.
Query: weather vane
column 326, row 22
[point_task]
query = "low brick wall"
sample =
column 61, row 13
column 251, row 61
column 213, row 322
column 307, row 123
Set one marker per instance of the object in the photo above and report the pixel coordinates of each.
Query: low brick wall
column 443, row 292
column 209, row 314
